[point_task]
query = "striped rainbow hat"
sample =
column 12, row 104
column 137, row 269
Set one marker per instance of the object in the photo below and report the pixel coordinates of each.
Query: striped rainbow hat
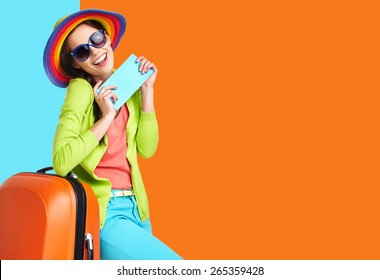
column 113, row 23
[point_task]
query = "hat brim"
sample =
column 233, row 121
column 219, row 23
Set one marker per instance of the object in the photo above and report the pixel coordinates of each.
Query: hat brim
column 113, row 23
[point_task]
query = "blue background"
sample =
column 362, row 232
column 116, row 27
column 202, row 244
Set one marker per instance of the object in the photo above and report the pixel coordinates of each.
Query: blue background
column 30, row 103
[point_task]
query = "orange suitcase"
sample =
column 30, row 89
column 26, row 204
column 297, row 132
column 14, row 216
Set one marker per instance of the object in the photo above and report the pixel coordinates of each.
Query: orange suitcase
column 46, row 216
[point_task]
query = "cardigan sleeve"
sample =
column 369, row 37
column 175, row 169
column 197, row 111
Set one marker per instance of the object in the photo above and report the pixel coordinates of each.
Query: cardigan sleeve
column 147, row 134
column 71, row 145
column 147, row 130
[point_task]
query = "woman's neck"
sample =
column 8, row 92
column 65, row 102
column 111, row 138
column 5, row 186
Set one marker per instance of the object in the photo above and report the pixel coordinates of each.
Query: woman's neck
column 102, row 77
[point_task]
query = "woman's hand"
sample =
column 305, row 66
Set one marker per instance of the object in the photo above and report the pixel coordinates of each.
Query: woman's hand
column 147, row 91
column 145, row 65
column 103, row 99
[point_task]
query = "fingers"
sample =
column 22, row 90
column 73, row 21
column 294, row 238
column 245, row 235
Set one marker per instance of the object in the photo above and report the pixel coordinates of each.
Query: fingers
column 106, row 93
column 106, row 88
column 96, row 87
column 98, row 84
column 145, row 65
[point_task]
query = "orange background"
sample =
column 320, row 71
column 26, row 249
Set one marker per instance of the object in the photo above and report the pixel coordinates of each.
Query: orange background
column 268, row 116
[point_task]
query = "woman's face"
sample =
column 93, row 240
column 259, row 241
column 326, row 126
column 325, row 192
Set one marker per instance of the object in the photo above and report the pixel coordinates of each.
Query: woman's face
column 100, row 62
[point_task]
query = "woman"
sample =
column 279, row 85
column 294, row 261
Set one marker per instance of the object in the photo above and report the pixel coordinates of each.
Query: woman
column 98, row 143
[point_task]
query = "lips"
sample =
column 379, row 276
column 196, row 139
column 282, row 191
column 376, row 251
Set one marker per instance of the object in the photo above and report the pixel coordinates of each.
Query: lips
column 101, row 60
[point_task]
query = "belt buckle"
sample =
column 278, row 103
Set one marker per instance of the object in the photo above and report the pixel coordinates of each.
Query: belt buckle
column 122, row 193
column 125, row 193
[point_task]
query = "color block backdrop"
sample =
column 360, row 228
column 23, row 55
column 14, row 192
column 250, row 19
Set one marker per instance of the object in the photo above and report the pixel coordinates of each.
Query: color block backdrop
column 30, row 103
column 268, row 116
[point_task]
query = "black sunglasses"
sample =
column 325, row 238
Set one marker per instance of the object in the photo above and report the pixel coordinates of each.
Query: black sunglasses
column 97, row 40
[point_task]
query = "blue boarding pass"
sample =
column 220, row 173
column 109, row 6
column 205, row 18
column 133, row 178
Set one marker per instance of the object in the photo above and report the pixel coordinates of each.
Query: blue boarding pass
column 128, row 79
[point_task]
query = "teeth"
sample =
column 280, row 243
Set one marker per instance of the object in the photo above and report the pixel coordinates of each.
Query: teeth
column 100, row 59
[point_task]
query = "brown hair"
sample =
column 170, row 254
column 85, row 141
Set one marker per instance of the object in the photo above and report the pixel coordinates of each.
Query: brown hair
column 67, row 63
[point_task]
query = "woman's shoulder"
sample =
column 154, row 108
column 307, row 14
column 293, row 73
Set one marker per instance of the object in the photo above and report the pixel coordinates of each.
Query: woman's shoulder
column 79, row 92
column 79, row 83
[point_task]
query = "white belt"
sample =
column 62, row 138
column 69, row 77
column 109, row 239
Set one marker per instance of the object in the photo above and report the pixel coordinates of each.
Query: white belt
column 122, row 193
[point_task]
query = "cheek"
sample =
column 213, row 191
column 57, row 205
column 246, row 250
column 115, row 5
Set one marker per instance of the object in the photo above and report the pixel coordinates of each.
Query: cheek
column 110, row 49
column 110, row 55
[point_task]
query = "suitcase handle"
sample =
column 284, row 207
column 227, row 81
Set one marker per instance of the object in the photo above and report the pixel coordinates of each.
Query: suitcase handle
column 49, row 168
column 44, row 170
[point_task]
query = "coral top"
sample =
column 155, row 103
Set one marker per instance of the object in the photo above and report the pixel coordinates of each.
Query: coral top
column 114, row 164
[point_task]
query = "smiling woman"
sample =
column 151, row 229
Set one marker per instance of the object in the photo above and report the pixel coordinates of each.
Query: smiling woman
column 98, row 143
column 82, row 52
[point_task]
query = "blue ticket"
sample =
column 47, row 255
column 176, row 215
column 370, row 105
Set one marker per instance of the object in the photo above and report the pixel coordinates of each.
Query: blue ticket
column 128, row 79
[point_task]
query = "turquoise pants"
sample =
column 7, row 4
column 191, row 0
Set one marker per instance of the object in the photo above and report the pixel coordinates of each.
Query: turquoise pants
column 125, row 237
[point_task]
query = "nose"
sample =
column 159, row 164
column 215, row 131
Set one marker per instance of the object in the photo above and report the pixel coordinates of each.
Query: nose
column 94, row 50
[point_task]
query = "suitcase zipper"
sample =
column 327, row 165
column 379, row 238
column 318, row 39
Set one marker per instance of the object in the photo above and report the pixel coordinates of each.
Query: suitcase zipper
column 81, row 206
column 89, row 246
column 80, row 226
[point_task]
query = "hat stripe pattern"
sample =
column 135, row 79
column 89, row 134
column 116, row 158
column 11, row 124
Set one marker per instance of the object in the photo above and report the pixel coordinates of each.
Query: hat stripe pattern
column 113, row 23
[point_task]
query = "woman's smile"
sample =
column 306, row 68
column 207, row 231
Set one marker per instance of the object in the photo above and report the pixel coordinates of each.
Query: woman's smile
column 101, row 61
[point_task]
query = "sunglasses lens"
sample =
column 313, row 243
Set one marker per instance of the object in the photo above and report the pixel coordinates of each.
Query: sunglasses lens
column 98, row 40
column 82, row 53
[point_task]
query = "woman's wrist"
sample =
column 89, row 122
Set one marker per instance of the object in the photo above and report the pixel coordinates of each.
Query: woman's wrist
column 101, row 126
column 109, row 117
column 146, row 89
column 147, row 99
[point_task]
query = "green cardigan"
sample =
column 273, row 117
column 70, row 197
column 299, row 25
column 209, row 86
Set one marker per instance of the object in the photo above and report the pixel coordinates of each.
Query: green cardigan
column 76, row 148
